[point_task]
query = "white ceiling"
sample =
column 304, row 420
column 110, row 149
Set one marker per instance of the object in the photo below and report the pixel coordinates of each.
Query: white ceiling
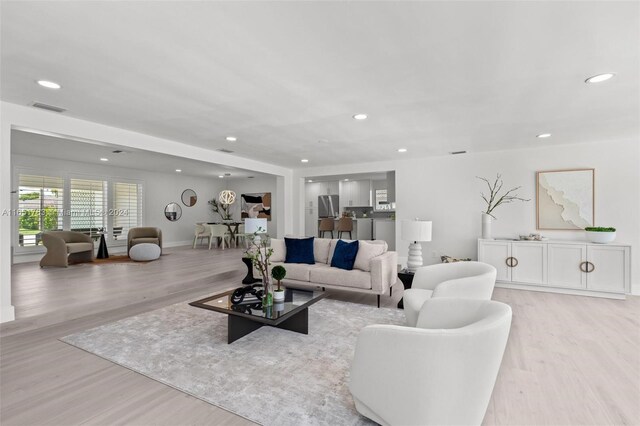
column 286, row 77
column 32, row 144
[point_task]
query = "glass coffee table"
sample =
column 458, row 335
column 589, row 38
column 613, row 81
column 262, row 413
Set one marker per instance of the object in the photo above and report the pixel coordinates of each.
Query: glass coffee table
column 244, row 318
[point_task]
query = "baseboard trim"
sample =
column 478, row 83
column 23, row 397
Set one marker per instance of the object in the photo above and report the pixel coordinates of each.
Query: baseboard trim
column 573, row 292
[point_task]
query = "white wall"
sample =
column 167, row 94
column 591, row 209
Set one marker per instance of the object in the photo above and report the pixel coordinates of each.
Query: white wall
column 445, row 190
column 159, row 190
column 259, row 184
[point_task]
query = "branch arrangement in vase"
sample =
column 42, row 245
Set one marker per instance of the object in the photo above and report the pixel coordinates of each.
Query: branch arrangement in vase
column 224, row 210
column 260, row 254
column 495, row 198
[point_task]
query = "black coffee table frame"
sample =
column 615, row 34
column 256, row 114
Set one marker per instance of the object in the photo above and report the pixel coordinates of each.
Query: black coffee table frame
column 240, row 324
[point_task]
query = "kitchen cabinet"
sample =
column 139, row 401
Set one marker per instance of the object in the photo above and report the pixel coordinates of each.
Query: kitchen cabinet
column 355, row 193
column 312, row 191
column 573, row 267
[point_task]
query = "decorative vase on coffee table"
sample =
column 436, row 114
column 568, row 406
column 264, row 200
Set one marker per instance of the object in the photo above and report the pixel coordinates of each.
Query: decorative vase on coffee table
column 267, row 298
column 486, row 226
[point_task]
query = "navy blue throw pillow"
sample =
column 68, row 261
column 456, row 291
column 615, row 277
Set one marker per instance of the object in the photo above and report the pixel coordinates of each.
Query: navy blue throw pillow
column 344, row 255
column 299, row 250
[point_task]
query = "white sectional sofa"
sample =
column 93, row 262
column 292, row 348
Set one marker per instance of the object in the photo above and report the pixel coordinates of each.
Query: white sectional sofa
column 375, row 268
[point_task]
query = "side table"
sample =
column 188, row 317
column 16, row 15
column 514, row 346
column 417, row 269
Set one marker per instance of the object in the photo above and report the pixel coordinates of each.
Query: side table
column 103, row 253
column 407, row 280
column 249, row 279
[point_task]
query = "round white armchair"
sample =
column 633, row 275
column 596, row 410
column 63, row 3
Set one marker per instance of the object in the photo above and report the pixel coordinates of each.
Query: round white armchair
column 441, row 372
column 464, row 280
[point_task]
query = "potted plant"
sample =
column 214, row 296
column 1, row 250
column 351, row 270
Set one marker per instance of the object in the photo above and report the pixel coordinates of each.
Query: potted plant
column 260, row 254
column 495, row 199
column 600, row 235
column 278, row 273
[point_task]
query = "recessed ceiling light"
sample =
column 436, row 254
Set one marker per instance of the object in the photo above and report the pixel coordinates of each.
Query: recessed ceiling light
column 346, row 180
column 402, row 149
column 232, row 138
column 221, row 177
column 600, row 78
column 304, row 160
column 104, row 159
column 178, row 170
column 310, row 181
column 360, row 116
column 49, row 84
column 543, row 135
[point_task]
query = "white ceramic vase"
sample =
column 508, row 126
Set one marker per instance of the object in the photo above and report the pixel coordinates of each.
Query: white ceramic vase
column 486, row 226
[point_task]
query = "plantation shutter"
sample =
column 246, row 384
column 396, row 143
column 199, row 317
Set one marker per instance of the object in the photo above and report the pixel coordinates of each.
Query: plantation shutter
column 127, row 208
column 40, row 207
column 88, row 206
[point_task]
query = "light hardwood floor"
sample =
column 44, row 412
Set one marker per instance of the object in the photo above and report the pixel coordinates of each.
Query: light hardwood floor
column 570, row 359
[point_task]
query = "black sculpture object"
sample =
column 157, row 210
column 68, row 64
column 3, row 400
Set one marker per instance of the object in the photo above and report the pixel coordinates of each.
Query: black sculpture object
column 239, row 294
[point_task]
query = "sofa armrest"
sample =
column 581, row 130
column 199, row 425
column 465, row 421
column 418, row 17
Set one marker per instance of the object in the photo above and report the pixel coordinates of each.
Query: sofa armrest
column 384, row 272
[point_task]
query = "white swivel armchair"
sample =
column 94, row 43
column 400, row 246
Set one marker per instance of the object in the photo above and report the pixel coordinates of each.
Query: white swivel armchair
column 465, row 280
column 441, row 372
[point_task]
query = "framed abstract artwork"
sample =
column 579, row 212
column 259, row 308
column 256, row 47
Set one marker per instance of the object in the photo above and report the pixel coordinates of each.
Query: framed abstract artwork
column 565, row 199
column 255, row 206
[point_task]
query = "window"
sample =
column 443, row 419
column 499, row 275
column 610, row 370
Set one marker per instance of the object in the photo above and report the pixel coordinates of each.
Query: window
column 40, row 207
column 127, row 208
column 88, row 206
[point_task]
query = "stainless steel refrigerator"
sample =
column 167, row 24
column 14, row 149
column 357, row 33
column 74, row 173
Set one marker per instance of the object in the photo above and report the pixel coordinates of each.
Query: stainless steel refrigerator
column 328, row 206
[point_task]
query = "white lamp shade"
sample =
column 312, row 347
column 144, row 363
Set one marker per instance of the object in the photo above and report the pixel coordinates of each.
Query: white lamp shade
column 255, row 225
column 416, row 230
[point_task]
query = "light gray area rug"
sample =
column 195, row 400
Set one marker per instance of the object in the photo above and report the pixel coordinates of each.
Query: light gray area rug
column 271, row 376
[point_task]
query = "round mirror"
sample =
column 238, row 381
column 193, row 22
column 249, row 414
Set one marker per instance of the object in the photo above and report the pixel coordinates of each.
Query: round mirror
column 189, row 197
column 173, row 211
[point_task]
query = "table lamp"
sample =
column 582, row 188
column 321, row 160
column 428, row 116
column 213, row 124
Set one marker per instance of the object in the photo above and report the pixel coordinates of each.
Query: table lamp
column 415, row 231
column 252, row 226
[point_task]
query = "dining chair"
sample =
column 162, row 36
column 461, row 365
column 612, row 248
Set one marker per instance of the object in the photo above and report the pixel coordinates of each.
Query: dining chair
column 220, row 233
column 202, row 232
column 241, row 235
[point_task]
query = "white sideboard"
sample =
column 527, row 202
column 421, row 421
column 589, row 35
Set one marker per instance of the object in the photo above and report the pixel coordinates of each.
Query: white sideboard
column 573, row 267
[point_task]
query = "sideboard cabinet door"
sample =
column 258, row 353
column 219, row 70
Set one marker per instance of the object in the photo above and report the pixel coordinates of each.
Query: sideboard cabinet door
column 496, row 253
column 529, row 263
column 609, row 269
column 564, row 265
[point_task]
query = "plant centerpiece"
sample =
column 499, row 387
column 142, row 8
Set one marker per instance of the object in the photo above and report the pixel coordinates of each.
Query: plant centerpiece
column 224, row 210
column 494, row 199
column 600, row 235
column 260, row 254
column 278, row 273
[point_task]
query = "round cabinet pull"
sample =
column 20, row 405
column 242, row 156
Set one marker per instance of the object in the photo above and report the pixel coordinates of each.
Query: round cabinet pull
column 513, row 259
column 507, row 261
column 593, row 267
column 581, row 267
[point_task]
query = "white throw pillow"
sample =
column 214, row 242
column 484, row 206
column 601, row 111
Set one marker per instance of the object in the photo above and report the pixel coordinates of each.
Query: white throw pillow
column 279, row 250
column 367, row 250
column 321, row 250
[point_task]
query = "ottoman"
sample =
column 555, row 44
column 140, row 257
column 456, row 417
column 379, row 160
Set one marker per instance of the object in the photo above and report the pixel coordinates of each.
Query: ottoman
column 144, row 252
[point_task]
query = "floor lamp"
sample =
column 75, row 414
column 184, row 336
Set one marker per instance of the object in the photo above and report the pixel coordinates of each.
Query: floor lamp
column 415, row 231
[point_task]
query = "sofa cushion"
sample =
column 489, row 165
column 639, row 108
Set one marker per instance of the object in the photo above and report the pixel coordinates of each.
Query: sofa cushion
column 279, row 250
column 344, row 255
column 299, row 250
column 321, row 249
column 324, row 274
column 367, row 250
column 79, row 247
column 295, row 271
